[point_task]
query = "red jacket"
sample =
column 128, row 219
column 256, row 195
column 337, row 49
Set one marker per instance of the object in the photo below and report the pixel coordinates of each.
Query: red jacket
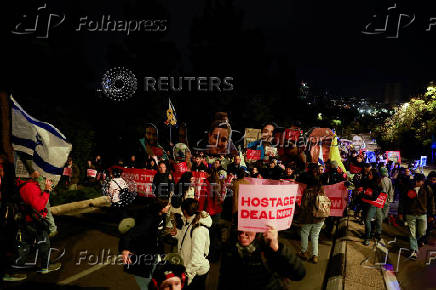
column 32, row 195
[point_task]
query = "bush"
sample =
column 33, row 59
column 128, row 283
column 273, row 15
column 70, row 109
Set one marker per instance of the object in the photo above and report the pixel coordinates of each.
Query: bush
column 62, row 195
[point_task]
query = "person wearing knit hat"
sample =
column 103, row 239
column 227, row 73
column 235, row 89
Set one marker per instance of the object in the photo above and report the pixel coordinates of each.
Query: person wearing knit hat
column 168, row 276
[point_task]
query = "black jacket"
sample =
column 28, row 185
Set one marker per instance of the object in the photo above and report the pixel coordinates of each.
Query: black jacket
column 200, row 167
column 423, row 203
column 144, row 242
column 331, row 177
column 251, row 271
column 163, row 185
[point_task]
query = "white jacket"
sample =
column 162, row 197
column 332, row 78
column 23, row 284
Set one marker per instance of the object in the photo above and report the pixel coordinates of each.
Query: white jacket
column 195, row 249
column 114, row 189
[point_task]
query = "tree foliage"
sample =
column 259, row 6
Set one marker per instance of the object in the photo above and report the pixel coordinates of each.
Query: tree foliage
column 411, row 127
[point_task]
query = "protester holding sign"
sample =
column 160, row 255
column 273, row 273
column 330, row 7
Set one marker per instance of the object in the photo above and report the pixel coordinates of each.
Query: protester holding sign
column 371, row 188
column 311, row 220
column 258, row 261
column 416, row 204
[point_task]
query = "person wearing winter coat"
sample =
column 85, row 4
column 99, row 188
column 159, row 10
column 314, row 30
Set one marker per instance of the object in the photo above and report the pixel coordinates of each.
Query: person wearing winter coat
column 141, row 246
column 36, row 228
column 193, row 243
column 371, row 188
column 253, row 261
column 418, row 205
column 163, row 181
column 310, row 225
column 386, row 186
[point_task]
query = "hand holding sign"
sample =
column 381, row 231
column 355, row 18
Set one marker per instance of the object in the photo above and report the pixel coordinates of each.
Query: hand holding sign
column 271, row 237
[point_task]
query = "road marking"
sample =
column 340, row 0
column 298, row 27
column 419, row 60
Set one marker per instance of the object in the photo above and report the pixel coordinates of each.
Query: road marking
column 86, row 272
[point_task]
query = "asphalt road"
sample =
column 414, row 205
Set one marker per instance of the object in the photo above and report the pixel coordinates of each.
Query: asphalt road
column 90, row 240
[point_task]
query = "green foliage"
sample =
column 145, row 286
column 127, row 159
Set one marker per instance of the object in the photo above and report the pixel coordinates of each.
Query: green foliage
column 411, row 127
column 62, row 195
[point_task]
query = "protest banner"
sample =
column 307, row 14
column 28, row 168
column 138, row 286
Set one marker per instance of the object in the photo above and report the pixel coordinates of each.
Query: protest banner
column 371, row 157
column 379, row 202
column 336, row 192
column 423, row 162
column 251, row 135
column 180, row 167
column 271, row 151
column 394, row 156
column 144, row 179
column 92, row 173
column 262, row 205
column 253, row 155
column 68, row 171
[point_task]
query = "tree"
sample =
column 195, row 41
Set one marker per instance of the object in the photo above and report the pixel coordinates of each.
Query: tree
column 411, row 127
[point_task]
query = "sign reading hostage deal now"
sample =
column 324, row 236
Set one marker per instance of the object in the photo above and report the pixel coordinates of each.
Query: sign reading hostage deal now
column 337, row 193
column 262, row 205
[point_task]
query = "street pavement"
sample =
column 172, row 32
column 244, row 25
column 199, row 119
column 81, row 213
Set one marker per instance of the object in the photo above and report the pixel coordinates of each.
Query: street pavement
column 90, row 240
column 365, row 264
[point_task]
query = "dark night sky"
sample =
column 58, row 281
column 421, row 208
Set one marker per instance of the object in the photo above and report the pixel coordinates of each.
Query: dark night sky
column 268, row 46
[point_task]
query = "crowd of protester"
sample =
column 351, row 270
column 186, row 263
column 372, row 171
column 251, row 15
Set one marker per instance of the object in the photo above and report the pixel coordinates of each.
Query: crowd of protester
column 198, row 225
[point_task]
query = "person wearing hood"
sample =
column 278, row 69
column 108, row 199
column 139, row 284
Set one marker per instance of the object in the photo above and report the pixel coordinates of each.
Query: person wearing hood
column 141, row 247
column 193, row 243
column 386, row 186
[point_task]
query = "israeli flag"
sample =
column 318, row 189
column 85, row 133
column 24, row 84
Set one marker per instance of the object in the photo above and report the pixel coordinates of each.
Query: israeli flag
column 46, row 144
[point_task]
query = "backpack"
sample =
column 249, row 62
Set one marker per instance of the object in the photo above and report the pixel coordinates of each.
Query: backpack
column 321, row 208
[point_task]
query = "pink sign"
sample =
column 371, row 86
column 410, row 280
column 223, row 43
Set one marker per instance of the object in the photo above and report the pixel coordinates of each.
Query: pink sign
column 91, row 173
column 336, row 192
column 262, row 205
column 338, row 196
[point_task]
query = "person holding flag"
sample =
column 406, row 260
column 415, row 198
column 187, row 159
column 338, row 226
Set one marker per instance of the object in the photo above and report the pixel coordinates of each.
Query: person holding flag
column 42, row 148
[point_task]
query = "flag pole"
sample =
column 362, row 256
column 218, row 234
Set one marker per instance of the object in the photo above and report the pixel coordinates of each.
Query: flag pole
column 170, row 134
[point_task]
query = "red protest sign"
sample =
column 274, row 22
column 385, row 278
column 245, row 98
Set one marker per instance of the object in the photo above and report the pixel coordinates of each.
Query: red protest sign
column 262, row 205
column 253, row 154
column 292, row 134
column 92, row 173
column 68, row 171
column 142, row 177
column 180, row 167
column 379, row 202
